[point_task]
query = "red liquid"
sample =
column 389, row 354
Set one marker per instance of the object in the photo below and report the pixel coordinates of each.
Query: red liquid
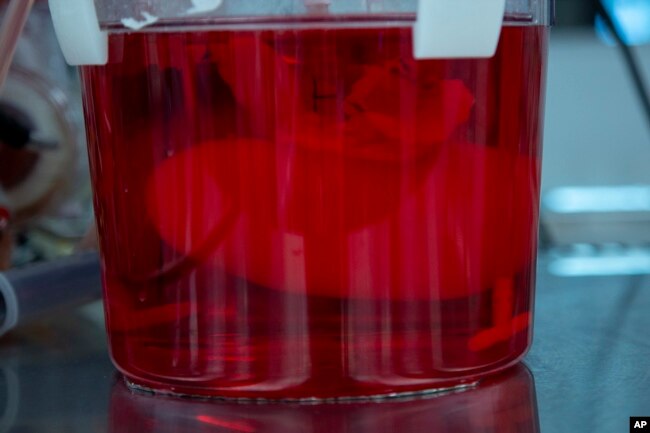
column 298, row 213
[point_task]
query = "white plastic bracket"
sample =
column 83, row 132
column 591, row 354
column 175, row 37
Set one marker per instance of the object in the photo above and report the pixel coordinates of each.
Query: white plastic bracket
column 202, row 6
column 77, row 28
column 457, row 28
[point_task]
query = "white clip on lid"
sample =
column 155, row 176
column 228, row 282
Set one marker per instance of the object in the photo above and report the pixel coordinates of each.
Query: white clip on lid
column 457, row 28
column 201, row 6
column 77, row 28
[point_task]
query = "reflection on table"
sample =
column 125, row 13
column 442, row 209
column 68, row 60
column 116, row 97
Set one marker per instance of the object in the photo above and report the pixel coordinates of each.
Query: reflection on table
column 504, row 404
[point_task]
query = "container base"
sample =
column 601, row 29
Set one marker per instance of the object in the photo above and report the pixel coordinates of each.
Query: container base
column 393, row 396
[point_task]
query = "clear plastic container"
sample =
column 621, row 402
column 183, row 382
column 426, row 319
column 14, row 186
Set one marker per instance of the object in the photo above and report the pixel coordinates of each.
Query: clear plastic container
column 292, row 205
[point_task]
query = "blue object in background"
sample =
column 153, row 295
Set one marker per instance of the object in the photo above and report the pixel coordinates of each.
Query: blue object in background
column 632, row 18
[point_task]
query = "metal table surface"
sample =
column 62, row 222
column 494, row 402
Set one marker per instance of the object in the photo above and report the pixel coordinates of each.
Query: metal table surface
column 588, row 371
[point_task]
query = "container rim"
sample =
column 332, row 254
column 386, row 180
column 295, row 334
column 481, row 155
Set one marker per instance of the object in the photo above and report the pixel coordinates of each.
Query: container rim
column 294, row 22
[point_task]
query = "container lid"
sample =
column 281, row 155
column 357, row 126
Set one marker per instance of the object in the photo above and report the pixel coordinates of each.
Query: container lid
column 442, row 28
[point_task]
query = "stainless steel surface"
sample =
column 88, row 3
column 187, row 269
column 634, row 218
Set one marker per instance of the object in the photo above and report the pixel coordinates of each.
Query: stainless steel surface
column 590, row 364
column 55, row 377
column 504, row 404
column 591, row 351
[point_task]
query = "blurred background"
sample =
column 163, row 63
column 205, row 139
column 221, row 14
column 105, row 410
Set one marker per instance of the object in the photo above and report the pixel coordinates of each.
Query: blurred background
column 595, row 205
column 44, row 184
column 596, row 178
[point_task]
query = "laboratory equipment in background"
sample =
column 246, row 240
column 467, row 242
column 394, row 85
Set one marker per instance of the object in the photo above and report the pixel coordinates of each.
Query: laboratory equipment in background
column 596, row 183
column 43, row 163
column 41, row 175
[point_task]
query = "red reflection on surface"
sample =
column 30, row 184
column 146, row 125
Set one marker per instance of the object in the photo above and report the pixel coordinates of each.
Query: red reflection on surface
column 506, row 403
column 230, row 425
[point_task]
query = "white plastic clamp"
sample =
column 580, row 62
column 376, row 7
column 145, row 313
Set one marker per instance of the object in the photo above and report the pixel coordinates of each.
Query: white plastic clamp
column 77, row 28
column 457, row 28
